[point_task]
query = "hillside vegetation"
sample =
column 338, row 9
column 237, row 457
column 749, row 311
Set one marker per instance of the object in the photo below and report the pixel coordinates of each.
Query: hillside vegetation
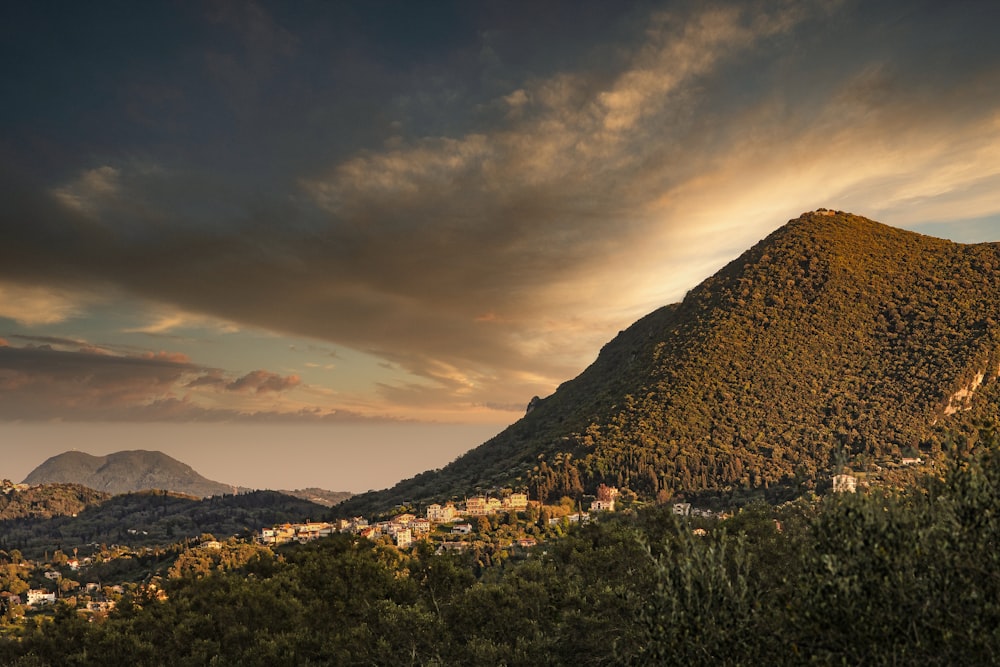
column 154, row 518
column 886, row 578
column 835, row 341
column 46, row 501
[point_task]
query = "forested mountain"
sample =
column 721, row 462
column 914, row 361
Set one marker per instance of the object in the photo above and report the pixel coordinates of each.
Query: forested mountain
column 125, row 472
column 835, row 341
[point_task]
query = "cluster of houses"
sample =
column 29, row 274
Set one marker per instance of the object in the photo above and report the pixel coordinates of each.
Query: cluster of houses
column 404, row 528
column 35, row 597
column 8, row 487
column 296, row 532
column 685, row 509
column 39, row 597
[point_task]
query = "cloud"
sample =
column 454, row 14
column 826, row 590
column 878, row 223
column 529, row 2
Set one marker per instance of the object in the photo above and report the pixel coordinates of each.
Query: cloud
column 488, row 258
column 31, row 305
column 165, row 320
column 91, row 189
column 43, row 383
column 52, row 340
column 243, row 73
column 260, row 382
column 172, row 357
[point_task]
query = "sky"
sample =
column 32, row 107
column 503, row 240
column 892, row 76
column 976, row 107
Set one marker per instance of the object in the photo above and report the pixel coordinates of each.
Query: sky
column 336, row 244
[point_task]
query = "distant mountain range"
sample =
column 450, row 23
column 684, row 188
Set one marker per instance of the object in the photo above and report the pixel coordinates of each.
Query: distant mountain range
column 836, row 342
column 141, row 470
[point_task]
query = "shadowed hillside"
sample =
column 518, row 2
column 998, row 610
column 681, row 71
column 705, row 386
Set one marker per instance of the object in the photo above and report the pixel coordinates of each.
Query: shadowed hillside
column 834, row 341
column 155, row 518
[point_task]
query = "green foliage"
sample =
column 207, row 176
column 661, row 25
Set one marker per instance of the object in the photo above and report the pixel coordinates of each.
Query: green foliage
column 154, row 518
column 47, row 500
column 891, row 577
column 834, row 341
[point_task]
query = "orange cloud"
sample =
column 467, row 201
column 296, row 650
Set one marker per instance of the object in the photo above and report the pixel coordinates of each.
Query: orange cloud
column 173, row 357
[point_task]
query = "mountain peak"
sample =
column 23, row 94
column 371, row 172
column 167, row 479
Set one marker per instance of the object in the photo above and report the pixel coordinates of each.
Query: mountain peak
column 125, row 472
column 835, row 338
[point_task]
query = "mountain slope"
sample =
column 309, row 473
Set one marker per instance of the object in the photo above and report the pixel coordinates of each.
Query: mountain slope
column 125, row 472
column 835, row 340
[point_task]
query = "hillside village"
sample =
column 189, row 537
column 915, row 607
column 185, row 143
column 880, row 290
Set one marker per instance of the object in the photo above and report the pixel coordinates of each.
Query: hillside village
column 492, row 528
column 30, row 587
column 451, row 528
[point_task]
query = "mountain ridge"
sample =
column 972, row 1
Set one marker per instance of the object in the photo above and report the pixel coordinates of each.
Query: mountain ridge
column 834, row 341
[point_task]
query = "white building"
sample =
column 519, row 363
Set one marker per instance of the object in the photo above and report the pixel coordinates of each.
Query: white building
column 516, row 501
column 481, row 506
column 602, row 506
column 844, row 484
column 439, row 514
column 403, row 538
column 39, row 597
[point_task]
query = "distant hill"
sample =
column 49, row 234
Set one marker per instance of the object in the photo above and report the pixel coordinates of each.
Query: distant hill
column 152, row 518
column 834, row 342
column 126, row 472
column 319, row 496
column 47, row 501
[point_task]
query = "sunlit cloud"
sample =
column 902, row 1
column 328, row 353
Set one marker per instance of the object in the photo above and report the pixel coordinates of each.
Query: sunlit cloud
column 30, row 305
column 161, row 322
column 478, row 239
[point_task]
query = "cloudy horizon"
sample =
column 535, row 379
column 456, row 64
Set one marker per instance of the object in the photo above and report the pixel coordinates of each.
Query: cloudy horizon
column 396, row 213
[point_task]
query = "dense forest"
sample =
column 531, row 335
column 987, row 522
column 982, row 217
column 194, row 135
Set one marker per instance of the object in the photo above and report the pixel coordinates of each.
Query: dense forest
column 836, row 341
column 46, row 501
column 888, row 577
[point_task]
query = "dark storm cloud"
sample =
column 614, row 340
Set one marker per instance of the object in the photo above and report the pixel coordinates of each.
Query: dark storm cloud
column 475, row 195
column 39, row 382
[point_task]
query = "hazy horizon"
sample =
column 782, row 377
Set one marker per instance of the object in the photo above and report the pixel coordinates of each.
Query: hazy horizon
column 353, row 458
